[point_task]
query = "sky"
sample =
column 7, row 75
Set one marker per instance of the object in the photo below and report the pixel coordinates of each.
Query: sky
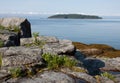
column 91, row 7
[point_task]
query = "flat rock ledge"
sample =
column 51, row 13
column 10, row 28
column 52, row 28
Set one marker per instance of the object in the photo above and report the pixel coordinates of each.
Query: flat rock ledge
column 22, row 56
column 19, row 56
column 45, row 77
column 111, row 64
column 80, row 75
column 52, row 45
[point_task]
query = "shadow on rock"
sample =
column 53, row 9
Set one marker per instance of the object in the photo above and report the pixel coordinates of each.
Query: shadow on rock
column 93, row 65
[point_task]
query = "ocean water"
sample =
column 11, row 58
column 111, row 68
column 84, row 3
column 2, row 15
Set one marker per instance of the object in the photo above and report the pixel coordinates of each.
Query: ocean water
column 89, row 31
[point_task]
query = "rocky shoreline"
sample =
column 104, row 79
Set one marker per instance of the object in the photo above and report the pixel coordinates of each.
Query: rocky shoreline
column 22, row 54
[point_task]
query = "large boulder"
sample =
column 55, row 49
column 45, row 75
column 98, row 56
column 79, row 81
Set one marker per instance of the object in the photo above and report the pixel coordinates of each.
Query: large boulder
column 21, row 23
column 19, row 57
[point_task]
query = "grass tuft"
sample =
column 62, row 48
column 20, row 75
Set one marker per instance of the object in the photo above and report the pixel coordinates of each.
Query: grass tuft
column 15, row 72
column 0, row 59
column 1, row 43
column 56, row 61
column 10, row 28
column 108, row 75
column 36, row 41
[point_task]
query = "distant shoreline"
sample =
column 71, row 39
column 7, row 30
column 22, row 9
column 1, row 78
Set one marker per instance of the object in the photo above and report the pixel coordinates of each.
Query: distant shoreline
column 74, row 16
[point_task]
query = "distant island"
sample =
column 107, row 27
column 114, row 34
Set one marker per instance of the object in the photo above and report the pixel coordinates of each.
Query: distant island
column 74, row 16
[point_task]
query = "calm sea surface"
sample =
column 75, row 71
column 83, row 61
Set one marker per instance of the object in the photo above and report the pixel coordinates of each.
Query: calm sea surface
column 102, row 31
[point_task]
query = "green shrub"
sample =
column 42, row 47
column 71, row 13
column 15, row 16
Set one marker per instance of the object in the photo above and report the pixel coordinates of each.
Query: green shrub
column 15, row 72
column 56, row 61
column 36, row 41
column 10, row 28
column 16, row 29
column 1, row 43
column 1, row 27
column 35, row 35
column 30, row 73
column 78, row 69
column 0, row 59
column 108, row 75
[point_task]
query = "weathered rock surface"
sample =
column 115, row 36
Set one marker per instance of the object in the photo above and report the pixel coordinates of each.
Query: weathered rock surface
column 111, row 63
column 92, row 51
column 80, row 75
column 105, row 80
column 62, row 47
column 118, row 77
column 4, row 76
column 45, row 77
column 19, row 56
column 52, row 45
column 22, row 23
column 45, row 39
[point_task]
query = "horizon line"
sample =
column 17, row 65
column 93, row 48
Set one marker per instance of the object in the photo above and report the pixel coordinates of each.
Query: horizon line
column 45, row 13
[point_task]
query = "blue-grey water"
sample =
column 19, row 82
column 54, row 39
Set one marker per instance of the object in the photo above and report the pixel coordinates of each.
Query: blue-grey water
column 89, row 31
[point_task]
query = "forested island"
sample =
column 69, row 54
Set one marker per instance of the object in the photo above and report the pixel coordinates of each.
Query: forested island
column 74, row 16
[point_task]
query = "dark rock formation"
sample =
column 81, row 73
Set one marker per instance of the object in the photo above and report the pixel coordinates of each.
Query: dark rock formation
column 12, row 29
column 21, row 23
column 10, row 38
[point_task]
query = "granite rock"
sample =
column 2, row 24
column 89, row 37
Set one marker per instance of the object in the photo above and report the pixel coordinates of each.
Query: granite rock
column 13, row 57
column 52, row 45
column 45, row 77
column 22, row 23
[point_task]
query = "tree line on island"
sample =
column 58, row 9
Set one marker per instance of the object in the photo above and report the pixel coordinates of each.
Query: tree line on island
column 74, row 16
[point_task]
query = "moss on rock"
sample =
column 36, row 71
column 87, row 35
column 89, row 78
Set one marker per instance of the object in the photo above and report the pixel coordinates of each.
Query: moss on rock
column 106, row 50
